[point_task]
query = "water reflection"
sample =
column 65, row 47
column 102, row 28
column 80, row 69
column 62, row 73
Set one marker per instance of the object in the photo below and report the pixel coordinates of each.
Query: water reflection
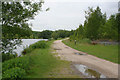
column 90, row 73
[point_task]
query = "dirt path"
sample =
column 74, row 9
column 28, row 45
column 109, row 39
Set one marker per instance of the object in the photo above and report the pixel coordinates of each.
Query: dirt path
column 107, row 68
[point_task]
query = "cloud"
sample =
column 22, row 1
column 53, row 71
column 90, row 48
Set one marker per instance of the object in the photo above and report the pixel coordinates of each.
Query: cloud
column 68, row 15
column 81, row 0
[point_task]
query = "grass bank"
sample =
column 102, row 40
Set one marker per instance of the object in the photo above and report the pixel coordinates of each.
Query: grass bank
column 37, row 61
column 42, row 62
column 108, row 52
column 46, row 65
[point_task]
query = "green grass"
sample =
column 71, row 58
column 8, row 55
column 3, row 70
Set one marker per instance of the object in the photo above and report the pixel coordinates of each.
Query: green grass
column 38, row 62
column 45, row 64
column 42, row 62
column 108, row 52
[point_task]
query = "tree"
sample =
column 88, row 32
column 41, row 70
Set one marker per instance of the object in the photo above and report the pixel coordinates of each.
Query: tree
column 118, row 24
column 14, row 17
column 45, row 34
column 101, row 29
column 96, row 26
column 81, row 32
column 110, row 29
column 55, row 35
column 94, row 22
column 36, row 34
column 61, row 34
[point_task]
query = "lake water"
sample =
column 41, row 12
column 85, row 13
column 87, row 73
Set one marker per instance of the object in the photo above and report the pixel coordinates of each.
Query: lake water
column 26, row 43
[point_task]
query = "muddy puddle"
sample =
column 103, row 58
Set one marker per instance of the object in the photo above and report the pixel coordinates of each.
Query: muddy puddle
column 57, row 49
column 79, row 54
column 89, row 73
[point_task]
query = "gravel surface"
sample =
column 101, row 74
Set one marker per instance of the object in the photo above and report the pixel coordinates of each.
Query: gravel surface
column 107, row 68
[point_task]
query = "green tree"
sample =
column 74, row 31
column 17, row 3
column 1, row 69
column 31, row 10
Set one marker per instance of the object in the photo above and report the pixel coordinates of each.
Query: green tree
column 46, row 34
column 14, row 17
column 81, row 32
column 61, row 33
column 110, row 29
column 118, row 24
column 55, row 35
column 101, row 29
column 36, row 34
column 94, row 20
column 96, row 26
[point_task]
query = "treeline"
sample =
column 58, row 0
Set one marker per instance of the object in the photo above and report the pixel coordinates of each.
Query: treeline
column 97, row 26
column 47, row 34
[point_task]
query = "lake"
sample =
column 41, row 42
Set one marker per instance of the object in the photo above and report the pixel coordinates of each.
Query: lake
column 26, row 43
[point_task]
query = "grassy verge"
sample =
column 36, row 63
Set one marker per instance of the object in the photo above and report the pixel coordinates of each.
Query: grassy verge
column 19, row 67
column 37, row 62
column 108, row 52
column 46, row 65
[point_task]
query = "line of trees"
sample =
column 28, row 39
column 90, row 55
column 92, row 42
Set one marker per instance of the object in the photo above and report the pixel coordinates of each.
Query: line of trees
column 97, row 27
column 47, row 34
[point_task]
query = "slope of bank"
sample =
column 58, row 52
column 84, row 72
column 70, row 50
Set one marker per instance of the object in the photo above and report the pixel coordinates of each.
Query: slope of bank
column 46, row 64
column 37, row 61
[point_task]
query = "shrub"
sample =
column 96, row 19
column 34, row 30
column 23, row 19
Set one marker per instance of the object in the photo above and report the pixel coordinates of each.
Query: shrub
column 85, row 40
column 21, row 62
column 49, row 39
column 14, row 73
column 40, row 44
column 27, row 50
column 7, row 56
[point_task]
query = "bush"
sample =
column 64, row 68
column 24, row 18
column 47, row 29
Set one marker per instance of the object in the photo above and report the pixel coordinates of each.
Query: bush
column 14, row 73
column 27, row 50
column 21, row 62
column 40, row 44
column 7, row 56
column 85, row 40
column 50, row 39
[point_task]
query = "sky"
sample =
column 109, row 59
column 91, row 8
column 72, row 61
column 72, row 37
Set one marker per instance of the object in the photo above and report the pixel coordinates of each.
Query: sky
column 68, row 15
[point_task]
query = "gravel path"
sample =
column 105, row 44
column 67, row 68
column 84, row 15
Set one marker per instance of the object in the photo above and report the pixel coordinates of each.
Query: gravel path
column 107, row 68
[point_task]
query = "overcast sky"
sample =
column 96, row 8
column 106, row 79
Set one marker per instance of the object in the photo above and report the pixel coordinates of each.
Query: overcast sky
column 64, row 14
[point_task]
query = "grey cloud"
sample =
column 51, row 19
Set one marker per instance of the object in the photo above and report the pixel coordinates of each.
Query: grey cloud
column 68, row 15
